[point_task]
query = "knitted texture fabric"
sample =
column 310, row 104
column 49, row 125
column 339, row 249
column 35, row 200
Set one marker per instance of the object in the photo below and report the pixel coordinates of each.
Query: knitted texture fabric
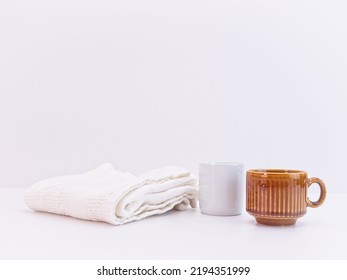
column 109, row 195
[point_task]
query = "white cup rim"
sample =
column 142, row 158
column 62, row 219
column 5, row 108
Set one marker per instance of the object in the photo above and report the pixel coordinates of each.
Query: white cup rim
column 221, row 163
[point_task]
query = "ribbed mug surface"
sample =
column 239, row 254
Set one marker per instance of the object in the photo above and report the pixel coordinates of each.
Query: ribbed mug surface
column 279, row 196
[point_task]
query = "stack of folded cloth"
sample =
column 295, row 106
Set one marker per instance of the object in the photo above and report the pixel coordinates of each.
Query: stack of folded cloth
column 109, row 195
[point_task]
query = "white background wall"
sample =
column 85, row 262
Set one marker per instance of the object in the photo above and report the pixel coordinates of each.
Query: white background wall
column 143, row 84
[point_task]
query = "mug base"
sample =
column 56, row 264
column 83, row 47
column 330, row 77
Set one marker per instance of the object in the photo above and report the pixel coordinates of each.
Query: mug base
column 276, row 221
column 217, row 213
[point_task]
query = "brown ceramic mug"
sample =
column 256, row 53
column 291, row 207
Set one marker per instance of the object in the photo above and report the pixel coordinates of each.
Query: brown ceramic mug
column 278, row 196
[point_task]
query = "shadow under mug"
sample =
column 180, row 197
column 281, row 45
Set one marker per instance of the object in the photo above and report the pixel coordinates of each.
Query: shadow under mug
column 278, row 196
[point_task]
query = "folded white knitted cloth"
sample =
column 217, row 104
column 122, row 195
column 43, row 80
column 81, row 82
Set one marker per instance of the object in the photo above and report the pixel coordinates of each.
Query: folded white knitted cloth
column 109, row 195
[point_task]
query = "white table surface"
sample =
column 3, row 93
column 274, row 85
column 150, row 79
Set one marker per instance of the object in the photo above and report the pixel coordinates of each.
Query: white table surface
column 24, row 234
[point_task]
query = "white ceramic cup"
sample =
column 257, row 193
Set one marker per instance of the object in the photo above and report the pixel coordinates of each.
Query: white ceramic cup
column 221, row 188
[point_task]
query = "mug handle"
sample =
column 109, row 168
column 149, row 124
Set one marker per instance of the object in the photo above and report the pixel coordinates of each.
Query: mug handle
column 323, row 193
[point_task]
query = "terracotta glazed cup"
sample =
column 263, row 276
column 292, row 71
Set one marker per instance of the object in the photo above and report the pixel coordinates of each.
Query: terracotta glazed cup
column 278, row 197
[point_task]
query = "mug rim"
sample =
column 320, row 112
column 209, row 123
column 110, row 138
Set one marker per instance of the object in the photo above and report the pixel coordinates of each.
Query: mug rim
column 276, row 171
column 221, row 163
